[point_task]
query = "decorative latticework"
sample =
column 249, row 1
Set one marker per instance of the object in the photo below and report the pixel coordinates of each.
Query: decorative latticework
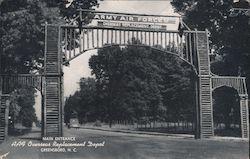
column 53, row 83
column 76, row 41
column 10, row 82
column 244, row 112
column 238, row 83
column 64, row 43
column 205, row 113
column 4, row 114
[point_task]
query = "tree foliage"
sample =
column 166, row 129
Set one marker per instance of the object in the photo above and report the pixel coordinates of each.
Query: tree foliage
column 82, row 102
column 22, row 30
column 139, row 84
column 22, row 39
column 230, row 36
column 22, row 35
column 226, row 100
column 21, row 107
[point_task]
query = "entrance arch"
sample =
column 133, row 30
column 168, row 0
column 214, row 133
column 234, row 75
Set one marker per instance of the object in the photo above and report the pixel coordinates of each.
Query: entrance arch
column 63, row 43
column 8, row 83
column 239, row 84
column 61, row 47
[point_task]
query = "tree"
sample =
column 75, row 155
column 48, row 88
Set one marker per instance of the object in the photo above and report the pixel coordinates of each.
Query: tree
column 14, row 109
column 22, row 35
column 87, row 109
column 134, row 83
column 141, row 83
column 21, row 107
column 226, row 106
column 83, row 102
column 176, row 86
column 230, row 36
column 70, row 106
column 107, row 67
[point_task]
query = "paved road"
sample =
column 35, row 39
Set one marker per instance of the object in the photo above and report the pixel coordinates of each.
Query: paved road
column 130, row 146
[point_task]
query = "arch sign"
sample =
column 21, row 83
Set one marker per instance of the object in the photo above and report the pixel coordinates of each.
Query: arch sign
column 63, row 43
column 140, row 21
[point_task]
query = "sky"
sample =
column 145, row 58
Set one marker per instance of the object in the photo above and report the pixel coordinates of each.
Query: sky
column 79, row 67
column 161, row 7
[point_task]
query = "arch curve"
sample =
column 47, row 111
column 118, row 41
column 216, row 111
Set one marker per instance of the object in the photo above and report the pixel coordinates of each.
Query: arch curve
column 140, row 45
column 76, row 41
column 238, row 83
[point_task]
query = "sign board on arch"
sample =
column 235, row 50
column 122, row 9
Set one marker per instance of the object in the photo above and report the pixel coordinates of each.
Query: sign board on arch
column 137, row 21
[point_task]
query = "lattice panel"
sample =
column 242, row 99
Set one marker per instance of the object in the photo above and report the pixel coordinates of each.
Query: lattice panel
column 244, row 118
column 53, row 83
column 238, row 83
column 205, row 91
column 77, row 41
column 12, row 82
column 52, row 103
column 4, row 111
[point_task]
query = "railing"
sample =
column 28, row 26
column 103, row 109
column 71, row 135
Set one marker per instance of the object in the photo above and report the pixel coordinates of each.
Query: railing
column 238, row 83
column 76, row 41
column 14, row 81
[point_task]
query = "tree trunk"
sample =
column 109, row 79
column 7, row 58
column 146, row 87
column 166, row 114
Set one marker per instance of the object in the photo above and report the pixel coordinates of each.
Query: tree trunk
column 110, row 123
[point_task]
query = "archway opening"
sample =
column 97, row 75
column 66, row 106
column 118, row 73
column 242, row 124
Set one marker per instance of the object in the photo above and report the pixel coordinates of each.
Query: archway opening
column 25, row 112
column 226, row 112
column 136, row 87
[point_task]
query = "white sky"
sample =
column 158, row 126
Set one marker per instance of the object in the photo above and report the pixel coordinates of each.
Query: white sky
column 79, row 67
column 161, row 7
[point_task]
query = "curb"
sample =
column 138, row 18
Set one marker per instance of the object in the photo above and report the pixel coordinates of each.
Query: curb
column 142, row 132
column 182, row 136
